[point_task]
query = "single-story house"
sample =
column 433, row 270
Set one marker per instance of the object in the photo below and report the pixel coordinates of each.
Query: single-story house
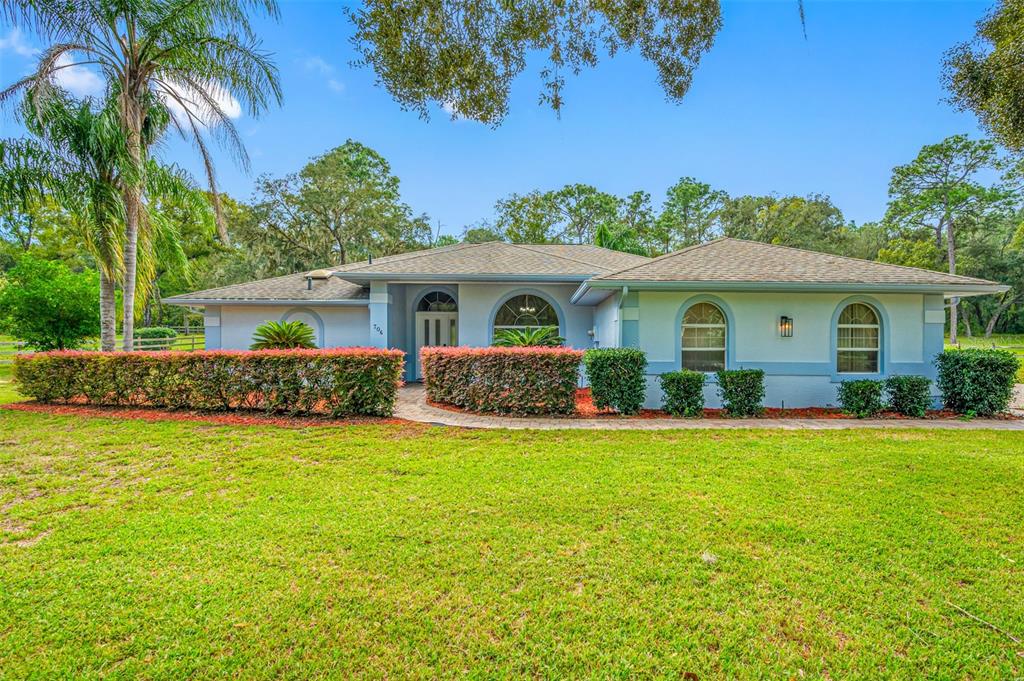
column 809, row 320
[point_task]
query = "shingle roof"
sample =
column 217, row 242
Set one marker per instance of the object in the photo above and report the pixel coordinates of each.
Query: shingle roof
column 501, row 259
column 729, row 260
column 460, row 259
column 288, row 287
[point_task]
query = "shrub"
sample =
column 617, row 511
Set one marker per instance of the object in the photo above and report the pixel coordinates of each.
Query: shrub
column 541, row 336
column 48, row 306
column 862, row 399
column 909, row 395
column 283, row 336
column 339, row 381
column 684, row 392
column 617, row 378
column 976, row 382
column 517, row 381
column 155, row 337
column 742, row 391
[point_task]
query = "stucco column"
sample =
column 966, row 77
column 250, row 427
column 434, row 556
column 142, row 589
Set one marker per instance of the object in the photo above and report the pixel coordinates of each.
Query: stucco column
column 380, row 303
column 211, row 327
column 934, row 336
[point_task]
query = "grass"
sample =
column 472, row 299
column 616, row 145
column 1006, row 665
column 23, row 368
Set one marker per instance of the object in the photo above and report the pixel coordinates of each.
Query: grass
column 178, row 550
column 1012, row 342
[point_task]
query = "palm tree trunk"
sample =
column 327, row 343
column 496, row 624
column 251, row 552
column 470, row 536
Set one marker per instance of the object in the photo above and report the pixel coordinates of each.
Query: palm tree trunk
column 132, row 201
column 131, row 193
column 108, row 313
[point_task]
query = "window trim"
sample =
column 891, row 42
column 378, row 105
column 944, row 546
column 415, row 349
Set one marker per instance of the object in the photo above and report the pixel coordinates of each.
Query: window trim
column 724, row 326
column 883, row 340
column 730, row 330
column 509, row 295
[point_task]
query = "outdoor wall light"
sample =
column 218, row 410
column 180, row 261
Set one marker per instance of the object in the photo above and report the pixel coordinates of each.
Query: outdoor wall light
column 786, row 326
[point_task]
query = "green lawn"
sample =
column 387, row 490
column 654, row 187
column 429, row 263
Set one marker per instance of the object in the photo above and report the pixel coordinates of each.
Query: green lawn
column 180, row 550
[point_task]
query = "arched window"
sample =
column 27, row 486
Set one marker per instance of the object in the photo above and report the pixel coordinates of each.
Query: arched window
column 525, row 312
column 857, row 340
column 438, row 301
column 704, row 332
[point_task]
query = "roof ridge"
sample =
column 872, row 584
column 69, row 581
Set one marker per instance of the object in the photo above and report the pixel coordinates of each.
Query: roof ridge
column 665, row 256
column 415, row 254
column 526, row 247
column 849, row 257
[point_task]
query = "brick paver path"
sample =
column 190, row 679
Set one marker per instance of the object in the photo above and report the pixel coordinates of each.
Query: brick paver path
column 412, row 406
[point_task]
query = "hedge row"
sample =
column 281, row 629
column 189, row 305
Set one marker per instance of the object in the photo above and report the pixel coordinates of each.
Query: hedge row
column 339, row 381
column 517, row 381
column 907, row 395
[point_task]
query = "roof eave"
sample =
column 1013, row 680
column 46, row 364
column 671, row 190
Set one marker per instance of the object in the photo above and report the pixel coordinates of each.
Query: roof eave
column 266, row 301
column 948, row 290
column 364, row 278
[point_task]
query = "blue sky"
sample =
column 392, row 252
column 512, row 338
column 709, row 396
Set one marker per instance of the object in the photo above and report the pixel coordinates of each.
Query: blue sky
column 768, row 112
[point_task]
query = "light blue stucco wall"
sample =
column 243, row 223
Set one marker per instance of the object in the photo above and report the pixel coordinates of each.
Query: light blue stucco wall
column 606, row 322
column 800, row 371
column 478, row 304
column 335, row 326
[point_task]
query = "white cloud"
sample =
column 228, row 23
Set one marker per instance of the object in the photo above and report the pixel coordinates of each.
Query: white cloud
column 453, row 111
column 197, row 105
column 324, row 69
column 15, row 42
column 78, row 80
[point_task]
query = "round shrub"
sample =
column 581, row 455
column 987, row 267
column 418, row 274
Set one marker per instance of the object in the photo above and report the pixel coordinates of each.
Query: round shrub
column 616, row 378
column 742, row 391
column 976, row 382
column 684, row 393
column 154, row 338
column 863, row 398
column 909, row 395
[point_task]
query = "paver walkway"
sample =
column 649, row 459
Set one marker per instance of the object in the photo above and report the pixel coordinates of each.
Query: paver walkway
column 412, row 406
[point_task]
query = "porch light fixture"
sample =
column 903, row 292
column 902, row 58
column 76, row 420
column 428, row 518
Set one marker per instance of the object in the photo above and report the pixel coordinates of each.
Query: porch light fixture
column 786, row 326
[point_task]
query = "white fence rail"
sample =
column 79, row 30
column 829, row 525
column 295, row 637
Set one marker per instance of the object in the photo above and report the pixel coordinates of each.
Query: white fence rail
column 187, row 340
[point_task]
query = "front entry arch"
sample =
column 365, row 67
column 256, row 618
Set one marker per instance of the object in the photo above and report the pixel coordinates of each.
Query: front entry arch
column 436, row 323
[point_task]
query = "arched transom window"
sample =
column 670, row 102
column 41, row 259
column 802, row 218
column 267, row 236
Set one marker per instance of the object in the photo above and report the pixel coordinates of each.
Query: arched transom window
column 438, row 301
column 525, row 312
column 857, row 340
column 704, row 333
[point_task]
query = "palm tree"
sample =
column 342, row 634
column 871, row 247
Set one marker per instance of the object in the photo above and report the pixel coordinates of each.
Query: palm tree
column 190, row 55
column 79, row 160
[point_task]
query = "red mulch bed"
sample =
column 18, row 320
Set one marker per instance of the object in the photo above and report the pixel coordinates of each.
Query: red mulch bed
column 585, row 409
column 226, row 419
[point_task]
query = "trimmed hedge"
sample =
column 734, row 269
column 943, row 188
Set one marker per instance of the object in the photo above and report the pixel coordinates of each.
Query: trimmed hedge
column 617, row 378
column 909, row 395
column 684, row 392
column 976, row 382
column 742, row 391
column 337, row 381
column 862, row 399
column 516, row 381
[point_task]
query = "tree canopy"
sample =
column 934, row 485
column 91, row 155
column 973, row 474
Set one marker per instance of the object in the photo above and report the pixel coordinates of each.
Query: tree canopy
column 465, row 54
column 985, row 76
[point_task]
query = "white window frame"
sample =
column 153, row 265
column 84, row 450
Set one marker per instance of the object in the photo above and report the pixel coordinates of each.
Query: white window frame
column 878, row 339
column 725, row 336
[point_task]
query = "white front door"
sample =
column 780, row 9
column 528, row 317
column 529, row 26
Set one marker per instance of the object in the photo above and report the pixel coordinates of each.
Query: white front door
column 435, row 328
